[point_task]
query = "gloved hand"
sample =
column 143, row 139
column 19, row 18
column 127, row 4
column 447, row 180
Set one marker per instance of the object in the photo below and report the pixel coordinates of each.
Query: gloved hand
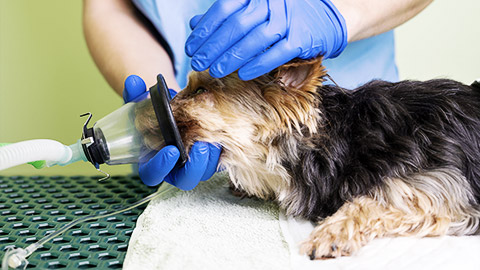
column 203, row 157
column 257, row 36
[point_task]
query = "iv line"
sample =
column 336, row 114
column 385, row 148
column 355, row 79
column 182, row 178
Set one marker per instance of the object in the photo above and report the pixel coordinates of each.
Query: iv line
column 16, row 257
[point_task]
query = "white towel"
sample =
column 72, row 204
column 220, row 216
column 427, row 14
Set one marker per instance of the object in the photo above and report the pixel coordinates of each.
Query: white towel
column 208, row 228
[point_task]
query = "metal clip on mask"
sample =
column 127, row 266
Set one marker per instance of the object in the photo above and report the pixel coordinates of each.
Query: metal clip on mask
column 121, row 137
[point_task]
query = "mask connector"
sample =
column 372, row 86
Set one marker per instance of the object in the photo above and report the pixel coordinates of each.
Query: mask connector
column 135, row 132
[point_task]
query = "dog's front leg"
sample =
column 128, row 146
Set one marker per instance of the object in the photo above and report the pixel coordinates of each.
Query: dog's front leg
column 346, row 231
column 430, row 204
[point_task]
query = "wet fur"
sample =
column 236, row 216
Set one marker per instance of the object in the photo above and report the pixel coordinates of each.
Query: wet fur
column 386, row 159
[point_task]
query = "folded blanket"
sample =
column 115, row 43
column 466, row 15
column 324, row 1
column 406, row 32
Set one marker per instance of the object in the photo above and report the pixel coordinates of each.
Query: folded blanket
column 208, row 228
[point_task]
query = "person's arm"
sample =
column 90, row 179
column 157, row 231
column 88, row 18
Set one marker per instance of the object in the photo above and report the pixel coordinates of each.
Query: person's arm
column 121, row 45
column 368, row 18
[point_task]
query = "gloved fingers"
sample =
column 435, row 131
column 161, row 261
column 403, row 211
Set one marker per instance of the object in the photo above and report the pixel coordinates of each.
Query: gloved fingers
column 254, row 43
column 209, row 23
column 195, row 20
column 172, row 92
column 134, row 86
column 157, row 168
column 188, row 177
column 230, row 32
column 336, row 20
column 238, row 55
column 279, row 54
column 213, row 157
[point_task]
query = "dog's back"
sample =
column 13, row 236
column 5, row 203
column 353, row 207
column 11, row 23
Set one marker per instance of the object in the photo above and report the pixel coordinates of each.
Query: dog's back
column 385, row 130
column 424, row 125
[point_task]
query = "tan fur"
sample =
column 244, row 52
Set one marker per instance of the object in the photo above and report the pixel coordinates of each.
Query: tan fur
column 427, row 204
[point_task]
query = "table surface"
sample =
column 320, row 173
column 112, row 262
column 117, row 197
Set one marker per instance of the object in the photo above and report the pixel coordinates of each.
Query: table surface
column 34, row 206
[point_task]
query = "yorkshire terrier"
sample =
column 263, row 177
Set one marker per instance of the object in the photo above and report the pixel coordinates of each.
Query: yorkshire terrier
column 383, row 160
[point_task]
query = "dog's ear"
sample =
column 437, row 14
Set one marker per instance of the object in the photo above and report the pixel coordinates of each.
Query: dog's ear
column 301, row 74
column 293, row 94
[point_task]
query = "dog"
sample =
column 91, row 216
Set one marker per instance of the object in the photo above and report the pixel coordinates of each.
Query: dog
column 383, row 160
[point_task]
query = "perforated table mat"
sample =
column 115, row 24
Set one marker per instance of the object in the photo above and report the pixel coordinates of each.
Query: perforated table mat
column 31, row 207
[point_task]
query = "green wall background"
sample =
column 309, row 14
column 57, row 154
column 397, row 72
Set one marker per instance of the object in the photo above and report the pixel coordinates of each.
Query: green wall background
column 441, row 42
column 47, row 77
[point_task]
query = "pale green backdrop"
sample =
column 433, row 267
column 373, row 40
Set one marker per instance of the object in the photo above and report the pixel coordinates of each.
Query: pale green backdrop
column 442, row 41
column 47, row 78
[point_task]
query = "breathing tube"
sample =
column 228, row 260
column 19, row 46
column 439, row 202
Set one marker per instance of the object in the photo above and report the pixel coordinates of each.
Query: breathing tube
column 131, row 134
column 40, row 151
column 122, row 137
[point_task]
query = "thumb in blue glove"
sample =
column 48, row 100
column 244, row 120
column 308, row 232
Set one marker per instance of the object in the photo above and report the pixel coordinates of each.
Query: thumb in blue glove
column 259, row 36
column 203, row 157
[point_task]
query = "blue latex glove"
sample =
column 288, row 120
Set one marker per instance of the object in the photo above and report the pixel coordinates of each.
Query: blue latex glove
column 257, row 36
column 203, row 157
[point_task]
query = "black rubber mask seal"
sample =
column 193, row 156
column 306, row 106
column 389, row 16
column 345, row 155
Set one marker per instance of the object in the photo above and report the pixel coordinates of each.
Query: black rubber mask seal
column 160, row 97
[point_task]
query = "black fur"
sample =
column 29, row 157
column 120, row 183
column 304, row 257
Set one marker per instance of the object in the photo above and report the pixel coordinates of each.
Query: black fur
column 385, row 129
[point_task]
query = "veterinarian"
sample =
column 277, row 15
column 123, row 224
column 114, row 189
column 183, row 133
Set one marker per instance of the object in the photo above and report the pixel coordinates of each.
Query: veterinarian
column 147, row 37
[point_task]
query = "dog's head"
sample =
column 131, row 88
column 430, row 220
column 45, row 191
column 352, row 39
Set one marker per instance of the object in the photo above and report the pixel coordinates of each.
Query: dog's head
column 257, row 122
column 235, row 113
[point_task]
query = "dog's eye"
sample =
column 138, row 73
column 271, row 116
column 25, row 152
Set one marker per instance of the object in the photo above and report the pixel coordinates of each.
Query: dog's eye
column 200, row 90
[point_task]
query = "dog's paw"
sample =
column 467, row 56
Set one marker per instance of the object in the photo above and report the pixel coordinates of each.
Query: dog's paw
column 331, row 241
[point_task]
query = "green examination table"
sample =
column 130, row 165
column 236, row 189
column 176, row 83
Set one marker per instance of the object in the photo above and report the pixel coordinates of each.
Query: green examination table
column 34, row 206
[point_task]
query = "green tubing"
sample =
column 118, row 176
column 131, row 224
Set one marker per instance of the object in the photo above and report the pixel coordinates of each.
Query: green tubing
column 39, row 164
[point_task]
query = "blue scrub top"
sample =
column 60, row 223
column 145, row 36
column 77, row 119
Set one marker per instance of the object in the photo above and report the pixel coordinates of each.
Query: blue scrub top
column 360, row 62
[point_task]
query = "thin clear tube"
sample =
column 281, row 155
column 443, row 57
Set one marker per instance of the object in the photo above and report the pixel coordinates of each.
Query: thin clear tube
column 17, row 257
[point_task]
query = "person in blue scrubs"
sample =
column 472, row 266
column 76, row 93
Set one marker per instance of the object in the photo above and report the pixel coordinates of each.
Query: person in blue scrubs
column 147, row 37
